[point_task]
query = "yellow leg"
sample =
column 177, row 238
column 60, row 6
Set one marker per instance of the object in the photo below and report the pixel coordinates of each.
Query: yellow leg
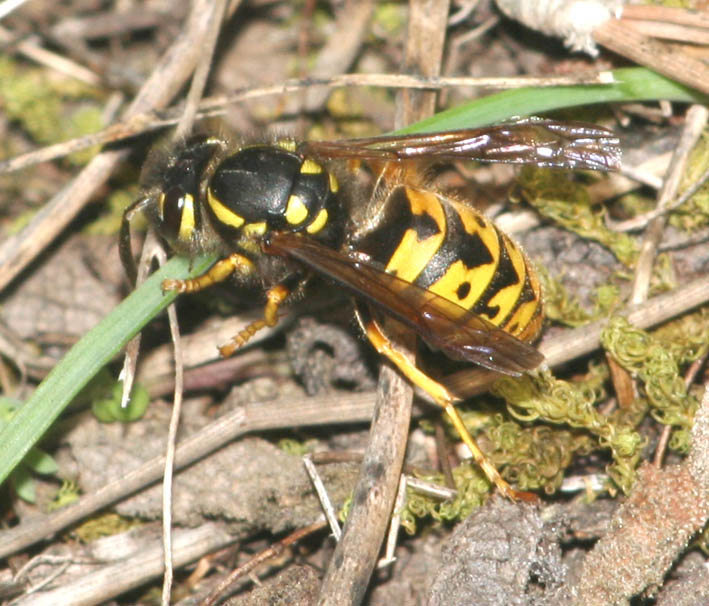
column 219, row 272
column 275, row 297
column 445, row 400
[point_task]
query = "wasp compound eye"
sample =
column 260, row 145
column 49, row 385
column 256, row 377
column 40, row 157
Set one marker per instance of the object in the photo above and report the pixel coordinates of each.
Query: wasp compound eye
column 179, row 214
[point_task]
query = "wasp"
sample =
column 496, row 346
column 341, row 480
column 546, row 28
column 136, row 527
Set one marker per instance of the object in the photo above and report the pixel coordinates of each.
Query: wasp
column 277, row 214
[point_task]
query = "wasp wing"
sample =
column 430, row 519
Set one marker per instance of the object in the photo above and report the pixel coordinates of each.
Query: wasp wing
column 459, row 333
column 551, row 143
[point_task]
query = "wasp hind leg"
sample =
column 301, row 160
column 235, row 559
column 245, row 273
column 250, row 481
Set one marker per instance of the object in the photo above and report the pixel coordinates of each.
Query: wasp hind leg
column 442, row 397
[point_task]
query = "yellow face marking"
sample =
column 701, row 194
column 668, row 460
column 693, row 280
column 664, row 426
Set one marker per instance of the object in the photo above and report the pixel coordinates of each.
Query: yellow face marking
column 161, row 206
column 255, row 229
column 334, row 185
column 287, row 144
column 310, row 167
column 412, row 255
column 187, row 219
column 296, row 211
column 318, row 223
column 225, row 215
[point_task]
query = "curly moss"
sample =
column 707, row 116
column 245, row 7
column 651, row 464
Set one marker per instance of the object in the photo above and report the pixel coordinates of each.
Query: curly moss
column 541, row 396
column 104, row 525
column 559, row 305
column 663, row 275
column 565, row 201
column 535, row 458
column 655, row 360
column 686, row 337
column 296, row 448
column 472, row 487
column 607, row 298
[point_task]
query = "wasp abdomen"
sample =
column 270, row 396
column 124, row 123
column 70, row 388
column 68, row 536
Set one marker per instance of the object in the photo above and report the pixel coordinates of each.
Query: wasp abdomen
column 453, row 251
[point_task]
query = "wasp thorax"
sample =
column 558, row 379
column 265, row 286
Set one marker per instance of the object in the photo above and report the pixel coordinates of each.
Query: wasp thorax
column 267, row 187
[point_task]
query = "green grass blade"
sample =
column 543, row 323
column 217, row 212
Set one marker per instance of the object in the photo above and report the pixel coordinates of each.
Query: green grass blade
column 85, row 359
column 631, row 84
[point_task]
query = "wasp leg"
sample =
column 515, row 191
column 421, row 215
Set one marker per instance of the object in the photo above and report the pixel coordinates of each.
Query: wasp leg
column 219, row 272
column 275, row 296
column 442, row 397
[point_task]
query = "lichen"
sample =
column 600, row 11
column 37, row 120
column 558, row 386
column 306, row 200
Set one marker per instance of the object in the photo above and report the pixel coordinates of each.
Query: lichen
column 39, row 102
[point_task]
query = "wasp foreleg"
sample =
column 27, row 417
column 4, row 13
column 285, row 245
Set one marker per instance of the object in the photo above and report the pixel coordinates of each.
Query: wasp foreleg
column 219, row 272
column 275, row 296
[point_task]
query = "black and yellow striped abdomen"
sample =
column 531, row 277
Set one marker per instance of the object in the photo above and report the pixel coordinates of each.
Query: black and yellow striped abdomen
column 455, row 252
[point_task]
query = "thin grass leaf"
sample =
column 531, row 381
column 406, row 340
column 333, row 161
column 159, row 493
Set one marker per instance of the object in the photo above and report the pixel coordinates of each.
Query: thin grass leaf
column 631, row 84
column 85, row 359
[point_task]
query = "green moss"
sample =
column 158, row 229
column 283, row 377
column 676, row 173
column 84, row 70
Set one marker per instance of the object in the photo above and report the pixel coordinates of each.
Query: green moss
column 663, row 277
column 40, row 103
column 389, row 17
column 655, row 360
column 543, row 397
column 607, row 298
column 535, row 458
column 472, row 487
column 694, row 213
column 566, row 201
column 104, row 525
column 559, row 305
column 297, row 448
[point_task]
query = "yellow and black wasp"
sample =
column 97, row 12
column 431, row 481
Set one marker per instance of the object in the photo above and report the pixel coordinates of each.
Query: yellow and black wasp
column 279, row 213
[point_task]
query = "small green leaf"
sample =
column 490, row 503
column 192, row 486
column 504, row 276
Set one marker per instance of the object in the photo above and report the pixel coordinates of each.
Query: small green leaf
column 40, row 462
column 23, row 483
column 109, row 409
